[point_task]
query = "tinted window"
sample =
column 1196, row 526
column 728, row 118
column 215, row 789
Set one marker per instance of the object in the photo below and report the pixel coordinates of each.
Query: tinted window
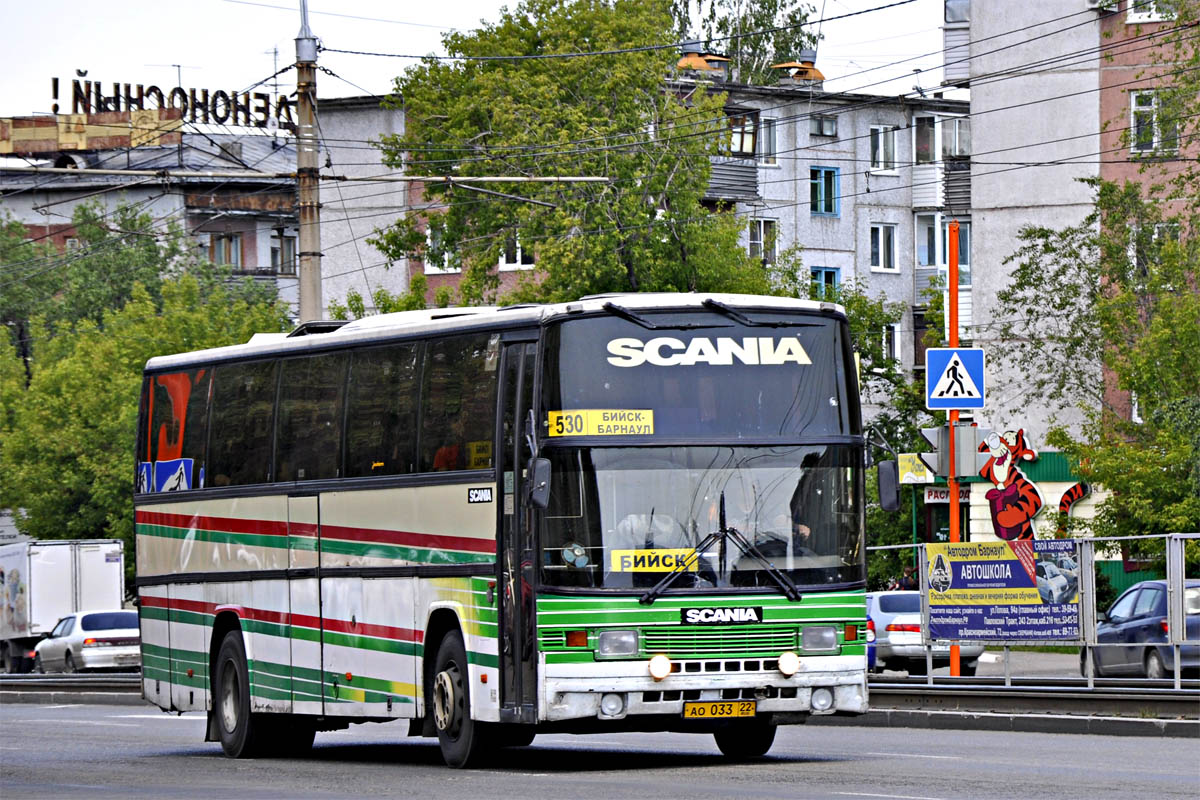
column 1148, row 602
column 109, row 620
column 900, row 603
column 381, row 414
column 243, row 413
column 309, row 439
column 458, row 404
column 1123, row 608
column 171, row 454
column 606, row 376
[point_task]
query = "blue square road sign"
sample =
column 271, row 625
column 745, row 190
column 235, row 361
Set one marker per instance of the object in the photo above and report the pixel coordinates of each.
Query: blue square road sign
column 954, row 378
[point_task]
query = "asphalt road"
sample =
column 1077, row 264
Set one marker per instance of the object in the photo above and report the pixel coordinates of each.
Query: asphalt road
column 131, row 752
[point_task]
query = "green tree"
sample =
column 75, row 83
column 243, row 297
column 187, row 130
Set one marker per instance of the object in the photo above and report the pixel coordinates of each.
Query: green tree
column 355, row 306
column 753, row 35
column 1119, row 294
column 27, row 279
column 642, row 229
column 68, row 451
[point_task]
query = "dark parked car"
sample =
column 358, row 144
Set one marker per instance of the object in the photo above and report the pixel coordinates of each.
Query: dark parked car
column 1133, row 633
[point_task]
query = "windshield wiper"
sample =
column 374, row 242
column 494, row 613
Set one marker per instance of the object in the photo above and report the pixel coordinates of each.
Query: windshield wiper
column 723, row 535
column 729, row 311
column 637, row 319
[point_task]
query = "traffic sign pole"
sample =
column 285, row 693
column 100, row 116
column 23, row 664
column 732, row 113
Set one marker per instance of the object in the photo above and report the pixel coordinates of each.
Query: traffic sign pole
column 952, row 481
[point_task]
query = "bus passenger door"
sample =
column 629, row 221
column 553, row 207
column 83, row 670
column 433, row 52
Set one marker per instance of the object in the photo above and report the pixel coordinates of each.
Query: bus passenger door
column 515, row 570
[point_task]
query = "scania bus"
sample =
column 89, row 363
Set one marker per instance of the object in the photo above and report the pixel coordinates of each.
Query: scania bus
column 627, row 513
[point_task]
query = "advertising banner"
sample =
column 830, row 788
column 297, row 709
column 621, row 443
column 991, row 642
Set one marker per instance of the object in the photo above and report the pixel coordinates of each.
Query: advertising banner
column 1004, row 591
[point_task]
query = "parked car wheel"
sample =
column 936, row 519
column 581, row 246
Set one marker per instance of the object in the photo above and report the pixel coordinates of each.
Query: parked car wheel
column 1097, row 672
column 1154, row 667
column 37, row 664
column 69, row 663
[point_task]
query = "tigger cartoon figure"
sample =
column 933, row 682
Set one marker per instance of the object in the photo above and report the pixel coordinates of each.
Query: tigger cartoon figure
column 1014, row 501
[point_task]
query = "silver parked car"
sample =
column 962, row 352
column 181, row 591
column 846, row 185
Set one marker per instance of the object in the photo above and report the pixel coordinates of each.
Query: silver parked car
column 897, row 617
column 91, row 640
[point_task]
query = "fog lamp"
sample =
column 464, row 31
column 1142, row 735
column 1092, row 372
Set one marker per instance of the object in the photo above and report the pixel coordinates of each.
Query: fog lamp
column 660, row 667
column 822, row 699
column 789, row 663
column 612, row 704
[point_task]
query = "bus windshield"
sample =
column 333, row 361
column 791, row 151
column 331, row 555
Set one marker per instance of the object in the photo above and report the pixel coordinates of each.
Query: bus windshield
column 624, row 517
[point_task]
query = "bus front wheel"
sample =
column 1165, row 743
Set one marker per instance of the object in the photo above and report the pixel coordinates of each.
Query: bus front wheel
column 462, row 739
column 745, row 739
column 240, row 732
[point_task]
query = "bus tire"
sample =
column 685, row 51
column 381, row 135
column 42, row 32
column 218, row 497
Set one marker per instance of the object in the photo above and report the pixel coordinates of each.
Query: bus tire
column 241, row 733
column 742, row 740
column 462, row 739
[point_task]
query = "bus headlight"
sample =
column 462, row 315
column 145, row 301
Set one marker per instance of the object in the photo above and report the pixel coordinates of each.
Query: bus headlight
column 610, row 644
column 819, row 637
column 789, row 663
column 660, row 667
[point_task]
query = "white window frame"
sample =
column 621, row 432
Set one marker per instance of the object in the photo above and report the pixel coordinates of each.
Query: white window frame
column 743, row 132
column 934, row 257
column 891, row 341
column 964, row 266
column 225, row 249
column 504, row 265
column 283, row 255
column 1161, row 230
column 953, row 131
column 71, row 244
column 1154, row 108
column 446, row 267
column 934, row 146
column 1140, row 11
column 883, row 247
column 768, row 143
column 883, row 148
column 764, row 237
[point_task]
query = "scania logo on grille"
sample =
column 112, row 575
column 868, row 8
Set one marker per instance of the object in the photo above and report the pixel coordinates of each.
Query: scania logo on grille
column 720, row 616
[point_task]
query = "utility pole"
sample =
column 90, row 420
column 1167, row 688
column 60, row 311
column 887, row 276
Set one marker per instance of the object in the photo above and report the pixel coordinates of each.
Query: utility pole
column 307, row 181
column 952, row 480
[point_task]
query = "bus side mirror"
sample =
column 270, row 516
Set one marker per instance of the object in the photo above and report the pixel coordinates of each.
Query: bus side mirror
column 539, row 481
column 889, row 486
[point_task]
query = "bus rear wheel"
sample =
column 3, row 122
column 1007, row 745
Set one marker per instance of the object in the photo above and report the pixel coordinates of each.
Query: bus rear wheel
column 241, row 732
column 742, row 740
column 462, row 739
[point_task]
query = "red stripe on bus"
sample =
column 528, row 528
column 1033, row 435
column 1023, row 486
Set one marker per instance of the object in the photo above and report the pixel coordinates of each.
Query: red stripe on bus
column 407, row 539
column 284, row 618
column 258, row 527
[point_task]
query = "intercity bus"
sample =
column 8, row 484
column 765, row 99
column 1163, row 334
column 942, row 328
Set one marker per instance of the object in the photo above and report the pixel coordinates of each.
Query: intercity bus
column 627, row 513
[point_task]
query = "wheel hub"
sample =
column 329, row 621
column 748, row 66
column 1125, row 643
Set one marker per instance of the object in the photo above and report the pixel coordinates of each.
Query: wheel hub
column 230, row 700
column 444, row 700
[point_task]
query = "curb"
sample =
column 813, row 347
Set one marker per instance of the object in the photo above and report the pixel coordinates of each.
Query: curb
column 74, row 698
column 1018, row 723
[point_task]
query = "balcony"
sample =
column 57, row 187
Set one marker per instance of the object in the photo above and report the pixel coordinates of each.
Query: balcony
column 733, row 180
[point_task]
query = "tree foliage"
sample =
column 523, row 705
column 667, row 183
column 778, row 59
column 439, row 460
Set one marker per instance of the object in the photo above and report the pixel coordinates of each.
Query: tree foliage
column 753, row 35
column 644, row 228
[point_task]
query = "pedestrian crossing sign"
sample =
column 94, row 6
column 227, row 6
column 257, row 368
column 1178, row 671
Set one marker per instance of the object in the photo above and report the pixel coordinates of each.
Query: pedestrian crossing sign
column 954, row 378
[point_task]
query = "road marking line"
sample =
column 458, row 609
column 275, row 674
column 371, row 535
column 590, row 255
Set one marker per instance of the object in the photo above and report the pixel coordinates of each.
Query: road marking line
column 915, row 755
column 894, row 796
column 60, row 721
column 157, row 716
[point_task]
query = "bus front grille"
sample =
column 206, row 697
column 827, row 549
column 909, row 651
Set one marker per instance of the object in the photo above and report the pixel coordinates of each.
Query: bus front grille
column 741, row 642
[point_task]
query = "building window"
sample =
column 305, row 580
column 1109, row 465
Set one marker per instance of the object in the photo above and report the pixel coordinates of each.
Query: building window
column 741, row 140
column 435, row 264
column 923, row 144
column 927, row 240
column 883, row 248
column 767, row 146
column 1144, row 249
column 964, row 251
column 956, row 137
column 825, row 281
column 823, row 190
column 890, row 337
column 1152, row 132
column 762, row 240
column 513, row 256
column 226, row 248
column 283, row 255
column 1149, row 11
column 822, row 126
column 72, row 244
column 883, row 147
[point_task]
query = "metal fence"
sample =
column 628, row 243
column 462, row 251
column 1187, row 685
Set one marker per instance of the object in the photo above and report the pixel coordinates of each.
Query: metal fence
column 1094, row 630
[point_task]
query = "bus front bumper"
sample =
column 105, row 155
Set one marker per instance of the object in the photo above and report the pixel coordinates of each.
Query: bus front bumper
column 619, row 689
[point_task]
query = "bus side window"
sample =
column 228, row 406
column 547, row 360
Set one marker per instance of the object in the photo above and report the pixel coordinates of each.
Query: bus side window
column 309, row 435
column 243, row 410
column 381, row 428
column 458, row 405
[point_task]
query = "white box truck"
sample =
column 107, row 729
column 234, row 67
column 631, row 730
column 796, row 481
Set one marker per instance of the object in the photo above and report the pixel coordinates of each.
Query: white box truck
column 42, row 581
